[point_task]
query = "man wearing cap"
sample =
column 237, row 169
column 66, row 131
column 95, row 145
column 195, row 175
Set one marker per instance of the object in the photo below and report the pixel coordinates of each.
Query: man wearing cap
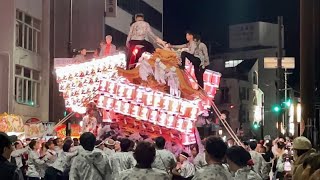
column 7, row 169
column 108, row 48
column 302, row 148
column 109, row 147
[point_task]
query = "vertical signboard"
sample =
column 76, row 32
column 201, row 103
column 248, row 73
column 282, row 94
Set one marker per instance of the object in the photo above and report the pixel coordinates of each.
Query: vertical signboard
column 111, row 8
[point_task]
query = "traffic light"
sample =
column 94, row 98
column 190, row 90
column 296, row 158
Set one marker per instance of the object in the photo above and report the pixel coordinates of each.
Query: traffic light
column 287, row 103
column 276, row 108
column 256, row 125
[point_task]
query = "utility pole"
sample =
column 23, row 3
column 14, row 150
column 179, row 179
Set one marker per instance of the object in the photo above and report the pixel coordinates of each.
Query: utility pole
column 279, row 69
column 307, row 64
column 286, row 100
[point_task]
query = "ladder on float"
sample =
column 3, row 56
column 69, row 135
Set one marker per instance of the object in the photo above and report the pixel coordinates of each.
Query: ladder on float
column 221, row 117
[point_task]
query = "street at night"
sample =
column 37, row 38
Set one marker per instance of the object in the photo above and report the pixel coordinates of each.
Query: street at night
column 159, row 89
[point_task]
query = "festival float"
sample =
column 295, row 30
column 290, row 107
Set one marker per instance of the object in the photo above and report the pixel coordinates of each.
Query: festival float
column 11, row 124
column 154, row 98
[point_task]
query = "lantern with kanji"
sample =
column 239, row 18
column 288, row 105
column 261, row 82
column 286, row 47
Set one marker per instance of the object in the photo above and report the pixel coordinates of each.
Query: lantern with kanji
column 135, row 111
column 144, row 113
column 147, row 97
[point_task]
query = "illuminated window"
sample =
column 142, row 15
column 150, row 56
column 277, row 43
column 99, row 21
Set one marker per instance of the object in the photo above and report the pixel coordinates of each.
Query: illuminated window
column 27, row 86
column 232, row 63
column 27, row 32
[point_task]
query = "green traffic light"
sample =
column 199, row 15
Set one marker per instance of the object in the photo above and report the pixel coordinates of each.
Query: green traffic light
column 287, row 103
column 255, row 125
column 276, row 108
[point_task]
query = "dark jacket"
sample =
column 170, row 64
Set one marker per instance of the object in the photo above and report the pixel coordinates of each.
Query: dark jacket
column 9, row 171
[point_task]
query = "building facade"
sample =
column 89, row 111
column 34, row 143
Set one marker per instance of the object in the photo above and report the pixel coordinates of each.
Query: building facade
column 242, row 68
column 240, row 97
column 24, row 58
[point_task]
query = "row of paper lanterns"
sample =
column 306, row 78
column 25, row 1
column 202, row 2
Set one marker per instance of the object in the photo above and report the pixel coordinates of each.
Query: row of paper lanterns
column 91, row 68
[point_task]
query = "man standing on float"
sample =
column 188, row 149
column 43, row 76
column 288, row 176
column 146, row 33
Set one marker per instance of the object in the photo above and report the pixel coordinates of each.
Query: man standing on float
column 139, row 34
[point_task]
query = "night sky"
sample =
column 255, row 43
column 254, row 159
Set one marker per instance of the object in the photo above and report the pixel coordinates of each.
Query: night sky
column 211, row 19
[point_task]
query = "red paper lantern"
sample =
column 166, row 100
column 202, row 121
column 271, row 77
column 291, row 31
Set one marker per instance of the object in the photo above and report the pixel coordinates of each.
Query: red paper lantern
column 179, row 124
column 216, row 79
column 135, row 111
column 112, row 87
column 139, row 94
column 121, row 89
column 207, row 76
column 103, row 85
column 117, row 106
column 158, row 100
column 174, row 105
column 144, row 113
column 171, row 121
column 162, row 119
column 185, row 110
column 188, row 126
column 188, row 139
column 130, row 92
column 147, row 97
column 153, row 116
column 102, row 101
column 109, row 103
column 125, row 108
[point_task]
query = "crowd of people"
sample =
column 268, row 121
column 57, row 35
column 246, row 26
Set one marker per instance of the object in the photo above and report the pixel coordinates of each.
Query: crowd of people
column 122, row 158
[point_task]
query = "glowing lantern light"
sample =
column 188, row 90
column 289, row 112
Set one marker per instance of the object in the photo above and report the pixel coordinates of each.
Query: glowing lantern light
column 112, row 86
column 189, row 126
column 121, row 90
column 185, row 109
column 135, row 111
column 179, row 125
column 174, row 105
column 207, row 76
column 157, row 99
column 194, row 112
column 144, row 113
column 130, row 92
column 171, row 120
column 166, row 102
column 188, row 139
column 117, row 107
column 216, row 79
column 153, row 116
column 101, row 101
column 162, row 119
column 109, row 103
column 147, row 97
column 106, row 116
column 139, row 94
column 125, row 108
